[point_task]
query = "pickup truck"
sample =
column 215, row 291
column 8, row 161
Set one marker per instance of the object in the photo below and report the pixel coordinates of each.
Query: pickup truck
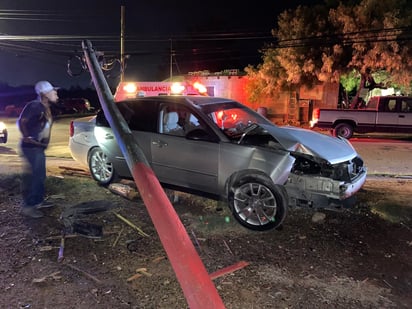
column 384, row 114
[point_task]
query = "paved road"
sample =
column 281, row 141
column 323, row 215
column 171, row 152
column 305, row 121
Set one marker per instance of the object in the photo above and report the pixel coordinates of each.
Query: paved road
column 58, row 154
column 383, row 155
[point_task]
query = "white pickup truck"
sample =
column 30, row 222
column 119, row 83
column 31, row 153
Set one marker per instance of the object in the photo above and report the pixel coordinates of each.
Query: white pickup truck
column 386, row 114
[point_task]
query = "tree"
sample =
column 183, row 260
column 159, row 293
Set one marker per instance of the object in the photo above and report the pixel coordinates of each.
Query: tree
column 324, row 42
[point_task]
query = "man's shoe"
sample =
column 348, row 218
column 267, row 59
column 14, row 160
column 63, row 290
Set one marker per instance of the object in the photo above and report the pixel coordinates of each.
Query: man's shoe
column 44, row 204
column 31, row 212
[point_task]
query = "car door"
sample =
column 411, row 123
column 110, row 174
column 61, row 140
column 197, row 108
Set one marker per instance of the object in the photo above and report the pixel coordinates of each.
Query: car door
column 179, row 160
column 405, row 115
column 388, row 116
column 141, row 117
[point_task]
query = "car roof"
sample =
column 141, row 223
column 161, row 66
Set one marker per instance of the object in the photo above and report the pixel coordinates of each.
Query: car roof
column 185, row 99
column 392, row 96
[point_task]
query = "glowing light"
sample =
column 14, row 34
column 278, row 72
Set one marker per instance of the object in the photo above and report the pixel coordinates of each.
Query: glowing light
column 200, row 87
column 130, row 88
column 234, row 116
column 177, row 88
column 220, row 115
column 2, row 126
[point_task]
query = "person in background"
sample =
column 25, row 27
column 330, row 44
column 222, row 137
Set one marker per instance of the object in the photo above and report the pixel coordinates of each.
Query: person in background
column 35, row 123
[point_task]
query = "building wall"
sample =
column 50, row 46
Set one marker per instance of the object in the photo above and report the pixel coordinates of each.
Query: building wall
column 287, row 107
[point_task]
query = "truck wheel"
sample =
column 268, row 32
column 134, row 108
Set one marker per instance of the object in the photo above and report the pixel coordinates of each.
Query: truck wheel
column 344, row 130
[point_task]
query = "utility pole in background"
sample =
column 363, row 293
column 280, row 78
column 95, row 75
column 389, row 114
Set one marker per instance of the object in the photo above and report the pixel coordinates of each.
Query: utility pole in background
column 122, row 65
column 171, row 59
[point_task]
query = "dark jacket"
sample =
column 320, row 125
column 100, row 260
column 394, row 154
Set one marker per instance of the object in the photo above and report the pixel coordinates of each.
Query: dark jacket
column 35, row 121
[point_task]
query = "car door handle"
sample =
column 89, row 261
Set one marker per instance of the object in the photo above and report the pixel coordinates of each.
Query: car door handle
column 109, row 136
column 401, row 116
column 159, row 143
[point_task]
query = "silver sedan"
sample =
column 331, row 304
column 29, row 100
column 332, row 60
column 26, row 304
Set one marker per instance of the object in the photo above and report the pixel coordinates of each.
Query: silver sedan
column 219, row 148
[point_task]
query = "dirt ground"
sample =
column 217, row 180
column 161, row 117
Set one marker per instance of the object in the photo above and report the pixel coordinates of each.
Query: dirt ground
column 348, row 258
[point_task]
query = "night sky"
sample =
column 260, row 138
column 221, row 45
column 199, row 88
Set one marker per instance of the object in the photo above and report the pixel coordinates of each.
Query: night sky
column 213, row 35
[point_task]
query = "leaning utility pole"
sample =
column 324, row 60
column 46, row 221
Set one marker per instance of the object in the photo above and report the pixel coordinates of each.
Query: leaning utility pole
column 171, row 60
column 190, row 271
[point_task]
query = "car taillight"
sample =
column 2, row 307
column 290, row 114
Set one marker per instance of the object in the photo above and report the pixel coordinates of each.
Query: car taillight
column 316, row 114
column 71, row 129
column 315, row 117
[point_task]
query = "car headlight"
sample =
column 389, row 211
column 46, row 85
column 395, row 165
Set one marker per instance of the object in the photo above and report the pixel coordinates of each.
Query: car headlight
column 2, row 126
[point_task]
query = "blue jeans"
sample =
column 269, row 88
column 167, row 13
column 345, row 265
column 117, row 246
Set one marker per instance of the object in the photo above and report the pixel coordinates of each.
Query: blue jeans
column 33, row 180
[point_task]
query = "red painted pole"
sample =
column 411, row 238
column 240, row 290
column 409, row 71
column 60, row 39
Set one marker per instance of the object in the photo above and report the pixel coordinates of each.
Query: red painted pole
column 191, row 273
column 194, row 279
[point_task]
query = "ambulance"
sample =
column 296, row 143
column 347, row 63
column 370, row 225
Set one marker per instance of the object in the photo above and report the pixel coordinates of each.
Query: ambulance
column 130, row 90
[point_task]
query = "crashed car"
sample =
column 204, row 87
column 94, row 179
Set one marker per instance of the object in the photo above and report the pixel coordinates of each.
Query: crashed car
column 3, row 132
column 219, row 148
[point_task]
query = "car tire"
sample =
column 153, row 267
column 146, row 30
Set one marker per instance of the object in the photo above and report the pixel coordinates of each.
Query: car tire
column 343, row 130
column 257, row 203
column 100, row 167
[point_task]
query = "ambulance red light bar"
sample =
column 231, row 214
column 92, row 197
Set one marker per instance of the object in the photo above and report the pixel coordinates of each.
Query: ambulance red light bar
column 130, row 90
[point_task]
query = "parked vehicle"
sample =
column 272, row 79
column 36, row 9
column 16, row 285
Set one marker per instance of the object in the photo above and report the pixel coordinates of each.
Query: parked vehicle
column 219, row 148
column 64, row 106
column 386, row 114
column 72, row 106
column 13, row 110
column 3, row 132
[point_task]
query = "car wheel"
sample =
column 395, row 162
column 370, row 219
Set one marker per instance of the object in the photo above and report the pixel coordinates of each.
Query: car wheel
column 344, row 130
column 101, row 169
column 257, row 203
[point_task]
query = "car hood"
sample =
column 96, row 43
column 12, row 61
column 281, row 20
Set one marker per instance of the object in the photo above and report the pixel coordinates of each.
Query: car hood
column 332, row 149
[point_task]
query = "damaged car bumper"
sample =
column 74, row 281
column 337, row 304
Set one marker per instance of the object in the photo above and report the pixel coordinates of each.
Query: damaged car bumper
column 322, row 192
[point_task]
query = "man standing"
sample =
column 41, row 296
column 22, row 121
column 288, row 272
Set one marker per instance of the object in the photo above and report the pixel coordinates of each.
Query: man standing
column 35, row 124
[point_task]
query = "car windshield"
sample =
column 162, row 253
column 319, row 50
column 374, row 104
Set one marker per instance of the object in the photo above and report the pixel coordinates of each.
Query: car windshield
column 232, row 118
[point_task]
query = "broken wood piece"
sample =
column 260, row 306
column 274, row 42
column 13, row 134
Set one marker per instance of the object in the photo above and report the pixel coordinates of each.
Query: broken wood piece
column 76, row 235
column 229, row 269
column 129, row 183
column 158, row 259
column 57, row 197
column 134, row 277
column 227, row 246
column 124, row 190
column 72, row 168
column 47, row 248
column 74, row 171
column 118, row 237
column 60, row 236
column 84, row 273
column 131, row 224
column 143, row 271
column 52, row 276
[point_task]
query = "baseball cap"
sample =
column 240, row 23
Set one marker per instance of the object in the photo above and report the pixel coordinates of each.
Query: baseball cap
column 44, row 87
